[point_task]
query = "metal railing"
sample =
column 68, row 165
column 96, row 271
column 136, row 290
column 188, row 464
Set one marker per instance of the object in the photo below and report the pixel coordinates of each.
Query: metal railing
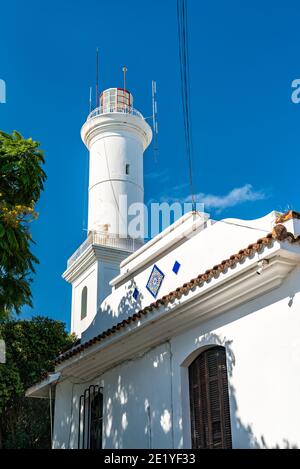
column 106, row 239
column 114, row 108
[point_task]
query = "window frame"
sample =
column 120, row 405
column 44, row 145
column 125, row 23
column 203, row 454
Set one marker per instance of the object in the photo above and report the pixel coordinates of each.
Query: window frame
column 83, row 305
column 86, row 420
column 209, row 400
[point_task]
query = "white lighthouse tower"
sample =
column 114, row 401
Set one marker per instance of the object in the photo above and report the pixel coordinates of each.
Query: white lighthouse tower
column 116, row 136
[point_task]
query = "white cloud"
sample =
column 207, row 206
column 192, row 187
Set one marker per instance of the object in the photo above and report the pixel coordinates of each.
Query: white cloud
column 235, row 197
column 160, row 176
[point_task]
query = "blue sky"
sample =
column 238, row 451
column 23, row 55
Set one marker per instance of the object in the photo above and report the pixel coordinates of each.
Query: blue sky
column 246, row 130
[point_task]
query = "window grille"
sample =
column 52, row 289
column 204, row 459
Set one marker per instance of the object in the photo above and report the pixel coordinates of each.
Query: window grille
column 90, row 425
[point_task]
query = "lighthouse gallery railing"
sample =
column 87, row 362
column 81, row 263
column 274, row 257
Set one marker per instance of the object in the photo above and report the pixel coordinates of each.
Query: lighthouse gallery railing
column 106, row 239
column 114, row 108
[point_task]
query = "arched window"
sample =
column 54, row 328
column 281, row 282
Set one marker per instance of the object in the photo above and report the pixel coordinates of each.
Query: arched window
column 84, row 302
column 209, row 400
column 90, row 425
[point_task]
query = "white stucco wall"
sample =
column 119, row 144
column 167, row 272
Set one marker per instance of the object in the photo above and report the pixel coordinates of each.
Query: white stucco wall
column 96, row 278
column 107, row 271
column 132, row 392
column 263, row 356
column 109, row 155
column 262, row 339
column 66, row 406
column 128, row 391
column 88, row 279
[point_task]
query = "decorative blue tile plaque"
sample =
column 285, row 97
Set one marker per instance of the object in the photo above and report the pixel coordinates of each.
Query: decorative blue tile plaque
column 176, row 267
column 135, row 293
column 155, row 280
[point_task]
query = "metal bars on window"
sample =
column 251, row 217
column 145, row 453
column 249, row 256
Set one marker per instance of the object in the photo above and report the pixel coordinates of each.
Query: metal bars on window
column 90, row 420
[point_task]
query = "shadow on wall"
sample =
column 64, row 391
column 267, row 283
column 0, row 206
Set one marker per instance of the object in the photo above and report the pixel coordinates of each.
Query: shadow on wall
column 106, row 317
column 242, row 434
column 136, row 405
column 138, row 411
column 134, row 416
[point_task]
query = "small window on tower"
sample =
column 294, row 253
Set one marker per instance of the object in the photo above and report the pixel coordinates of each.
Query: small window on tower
column 84, row 302
column 127, row 169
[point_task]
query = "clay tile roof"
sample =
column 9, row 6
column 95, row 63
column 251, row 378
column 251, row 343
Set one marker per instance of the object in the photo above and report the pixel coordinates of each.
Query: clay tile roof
column 279, row 233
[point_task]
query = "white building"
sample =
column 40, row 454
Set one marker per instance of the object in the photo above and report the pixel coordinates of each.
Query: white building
column 190, row 340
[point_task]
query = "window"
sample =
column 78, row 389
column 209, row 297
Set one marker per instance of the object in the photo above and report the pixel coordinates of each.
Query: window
column 90, row 418
column 96, row 421
column 209, row 400
column 127, row 169
column 84, row 302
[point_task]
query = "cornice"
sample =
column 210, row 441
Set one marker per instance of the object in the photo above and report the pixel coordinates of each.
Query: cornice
column 116, row 122
column 94, row 253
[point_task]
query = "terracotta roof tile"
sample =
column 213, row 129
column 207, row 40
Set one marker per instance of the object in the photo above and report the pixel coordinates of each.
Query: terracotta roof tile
column 279, row 233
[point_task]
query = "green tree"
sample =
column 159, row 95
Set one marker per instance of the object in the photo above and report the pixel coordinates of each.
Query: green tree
column 21, row 183
column 31, row 347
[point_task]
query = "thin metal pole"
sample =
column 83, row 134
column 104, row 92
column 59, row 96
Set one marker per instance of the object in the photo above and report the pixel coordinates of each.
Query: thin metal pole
column 149, row 426
column 50, row 408
column 84, row 417
column 97, row 76
column 90, row 101
column 80, row 421
column 153, row 104
column 154, row 120
column 89, row 415
column 125, row 70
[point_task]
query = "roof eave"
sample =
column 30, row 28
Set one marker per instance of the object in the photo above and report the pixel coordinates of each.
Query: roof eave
column 41, row 390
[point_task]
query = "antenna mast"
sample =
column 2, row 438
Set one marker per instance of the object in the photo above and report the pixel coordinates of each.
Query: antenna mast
column 125, row 70
column 97, row 76
column 90, row 100
column 154, row 119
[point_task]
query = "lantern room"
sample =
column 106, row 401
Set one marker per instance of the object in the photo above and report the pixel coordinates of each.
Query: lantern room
column 116, row 100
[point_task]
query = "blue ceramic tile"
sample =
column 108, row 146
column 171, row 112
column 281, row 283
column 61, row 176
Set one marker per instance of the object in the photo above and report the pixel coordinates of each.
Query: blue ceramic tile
column 155, row 280
column 135, row 293
column 176, row 267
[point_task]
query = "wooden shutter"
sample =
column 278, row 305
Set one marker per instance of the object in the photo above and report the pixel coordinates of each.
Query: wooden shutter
column 209, row 400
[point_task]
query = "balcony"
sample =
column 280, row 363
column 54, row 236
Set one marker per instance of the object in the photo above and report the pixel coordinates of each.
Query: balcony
column 106, row 239
column 121, row 109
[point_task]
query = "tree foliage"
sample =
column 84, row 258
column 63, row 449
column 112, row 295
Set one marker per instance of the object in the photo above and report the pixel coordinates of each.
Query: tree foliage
column 31, row 347
column 21, row 183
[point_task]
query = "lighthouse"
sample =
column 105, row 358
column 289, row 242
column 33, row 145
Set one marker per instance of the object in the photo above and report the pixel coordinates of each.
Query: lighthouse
column 116, row 136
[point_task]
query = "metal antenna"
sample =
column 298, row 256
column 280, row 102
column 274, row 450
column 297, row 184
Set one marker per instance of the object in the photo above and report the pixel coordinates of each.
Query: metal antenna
column 154, row 119
column 97, row 76
column 125, row 70
column 90, row 101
